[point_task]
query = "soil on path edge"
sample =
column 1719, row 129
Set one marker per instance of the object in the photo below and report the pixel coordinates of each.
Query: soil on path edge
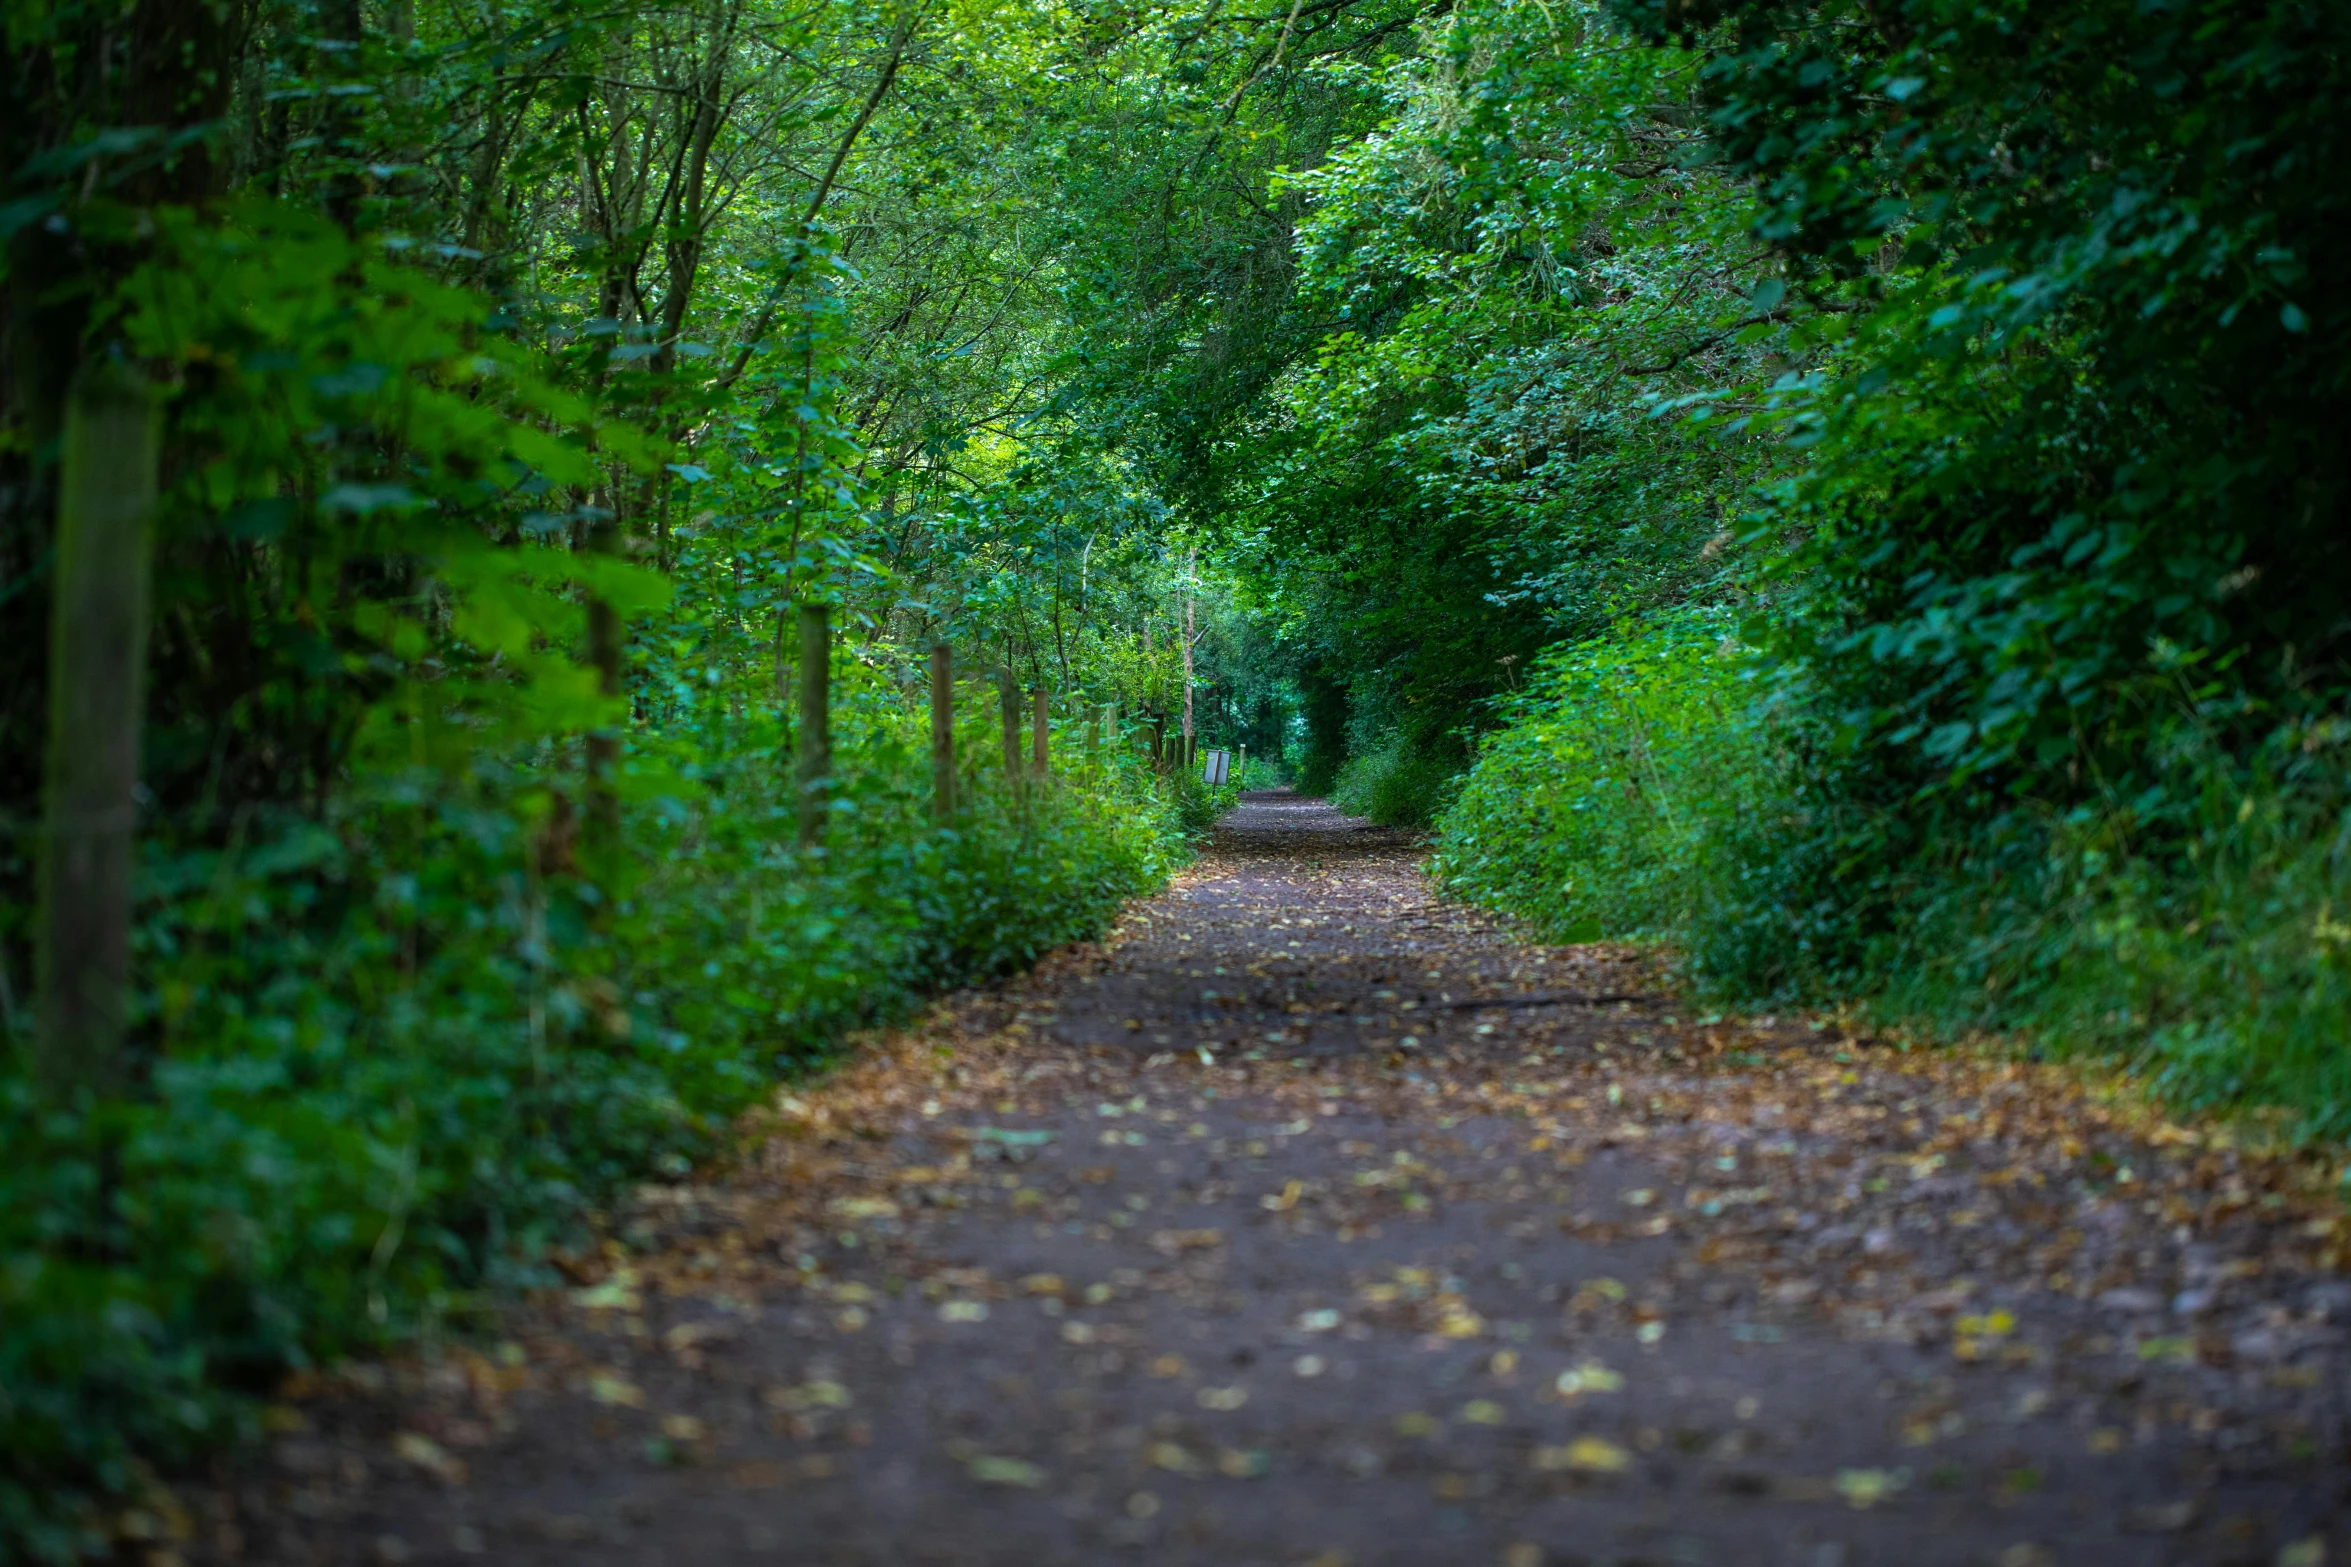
column 1310, row 1220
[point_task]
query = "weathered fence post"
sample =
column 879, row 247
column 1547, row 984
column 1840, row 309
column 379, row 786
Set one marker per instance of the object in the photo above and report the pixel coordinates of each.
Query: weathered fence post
column 816, row 737
column 1040, row 722
column 942, row 731
column 1241, row 766
column 1009, row 692
column 97, row 674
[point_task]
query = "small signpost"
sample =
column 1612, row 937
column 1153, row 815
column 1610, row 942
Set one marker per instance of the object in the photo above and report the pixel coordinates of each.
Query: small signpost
column 1216, row 767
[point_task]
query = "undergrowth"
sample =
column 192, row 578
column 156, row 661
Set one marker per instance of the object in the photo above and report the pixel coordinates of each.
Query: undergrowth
column 1657, row 786
column 1396, row 783
column 1591, row 812
column 392, row 1054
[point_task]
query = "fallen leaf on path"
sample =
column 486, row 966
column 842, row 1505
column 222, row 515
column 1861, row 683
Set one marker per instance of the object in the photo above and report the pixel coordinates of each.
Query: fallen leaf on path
column 1590, row 1377
column 430, row 1456
column 1865, row 1488
column 990, row 1470
column 617, row 1293
column 818, row 1394
column 1174, row 1241
column 1456, row 1320
column 1590, row 1454
column 608, row 1387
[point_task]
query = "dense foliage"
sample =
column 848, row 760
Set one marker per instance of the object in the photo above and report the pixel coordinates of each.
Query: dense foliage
column 1600, row 805
column 1852, row 491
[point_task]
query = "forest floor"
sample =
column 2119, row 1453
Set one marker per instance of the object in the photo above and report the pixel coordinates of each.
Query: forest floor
column 1309, row 1219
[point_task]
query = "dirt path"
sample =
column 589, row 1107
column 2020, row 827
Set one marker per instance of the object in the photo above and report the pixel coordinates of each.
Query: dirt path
column 1253, row 1237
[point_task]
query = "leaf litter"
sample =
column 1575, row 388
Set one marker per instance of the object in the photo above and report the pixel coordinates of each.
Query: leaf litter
column 1439, row 1273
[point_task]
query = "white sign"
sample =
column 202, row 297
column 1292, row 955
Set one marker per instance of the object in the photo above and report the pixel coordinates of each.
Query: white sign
column 1215, row 766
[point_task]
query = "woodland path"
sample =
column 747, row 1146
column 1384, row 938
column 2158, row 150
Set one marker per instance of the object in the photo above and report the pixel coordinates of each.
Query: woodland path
column 1250, row 1237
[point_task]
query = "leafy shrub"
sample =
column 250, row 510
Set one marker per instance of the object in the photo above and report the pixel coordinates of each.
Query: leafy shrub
column 1590, row 814
column 1397, row 784
column 2194, row 932
column 1198, row 806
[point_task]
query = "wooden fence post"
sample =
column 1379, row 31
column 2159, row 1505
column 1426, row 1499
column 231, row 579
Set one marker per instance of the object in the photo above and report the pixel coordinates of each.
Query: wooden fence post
column 942, row 731
column 816, row 737
column 1008, row 691
column 97, row 675
column 1241, row 766
column 1040, row 730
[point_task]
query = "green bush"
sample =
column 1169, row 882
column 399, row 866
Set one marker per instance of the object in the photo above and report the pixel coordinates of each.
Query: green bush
column 2195, row 933
column 1397, row 784
column 391, row 1055
column 1197, row 805
column 1591, row 812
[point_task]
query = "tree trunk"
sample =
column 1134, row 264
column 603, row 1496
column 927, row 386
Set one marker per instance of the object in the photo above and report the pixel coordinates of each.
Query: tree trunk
column 98, row 654
column 1191, row 572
